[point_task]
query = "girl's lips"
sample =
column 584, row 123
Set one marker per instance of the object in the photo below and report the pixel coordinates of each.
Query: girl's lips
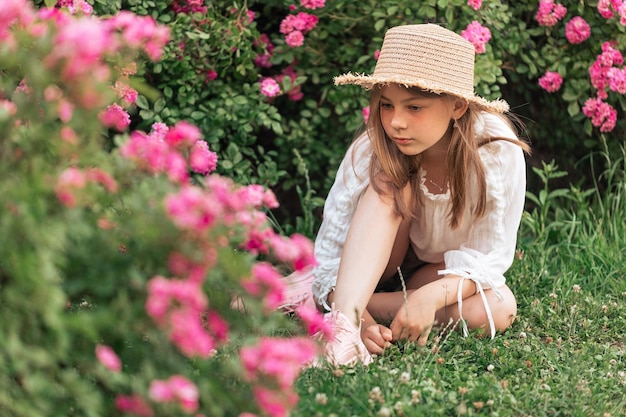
column 402, row 141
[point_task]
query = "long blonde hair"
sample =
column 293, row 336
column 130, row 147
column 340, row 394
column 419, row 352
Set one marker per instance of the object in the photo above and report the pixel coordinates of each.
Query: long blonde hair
column 390, row 170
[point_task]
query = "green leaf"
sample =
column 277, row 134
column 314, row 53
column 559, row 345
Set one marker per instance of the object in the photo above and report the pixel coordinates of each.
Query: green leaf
column 142, row 102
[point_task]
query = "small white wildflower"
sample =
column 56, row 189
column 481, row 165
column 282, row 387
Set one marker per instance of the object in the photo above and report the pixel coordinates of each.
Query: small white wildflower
column 576, row 288
column 405, row 377
column 489, row 403
column 415, row 396
column 612, row 362
column 376, row 394
column 522, row 335
column 490, row 367
column 605, row 308
column 321, row 398
column 553, row 295
column 384, row 412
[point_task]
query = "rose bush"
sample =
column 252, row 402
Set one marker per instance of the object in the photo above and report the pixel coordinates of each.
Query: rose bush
column 119, row 264
column 256, row 78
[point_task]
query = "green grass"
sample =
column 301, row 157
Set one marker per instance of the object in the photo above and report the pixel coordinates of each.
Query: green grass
column 565, row 355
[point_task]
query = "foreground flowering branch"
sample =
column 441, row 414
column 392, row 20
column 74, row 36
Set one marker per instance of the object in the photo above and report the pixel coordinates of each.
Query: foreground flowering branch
column 139, row 247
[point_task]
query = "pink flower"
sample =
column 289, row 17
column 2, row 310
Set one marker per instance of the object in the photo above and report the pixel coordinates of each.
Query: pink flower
column 376, row 54
column 107, row 357
column 550, row 13
column 176, row 388
column 275, row 403
column 475, row 4
column 303, row 22
column 211, row 75
column 294, row 39
column 183, row 134
column 115, row 117
column 314, row 322
column 201, row 159
column 599, row 70
column 101, row 177
column 265, row 282
column 551, row 81
column 192, row 210
column 279, row 359
column 617, row 80
column 577, row 30
column 366, row 113
column 602, row 114
column 70, row 180
column 604, row 7
column 312, row 4
column 477, row 35
column 125, row 92
column 134, row 405
column 269, row 87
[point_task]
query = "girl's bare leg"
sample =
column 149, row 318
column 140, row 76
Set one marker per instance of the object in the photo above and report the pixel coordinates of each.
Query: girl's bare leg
column 384, row 306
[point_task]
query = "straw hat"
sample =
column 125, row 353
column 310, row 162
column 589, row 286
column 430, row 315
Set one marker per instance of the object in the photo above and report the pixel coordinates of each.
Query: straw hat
column 426, row 56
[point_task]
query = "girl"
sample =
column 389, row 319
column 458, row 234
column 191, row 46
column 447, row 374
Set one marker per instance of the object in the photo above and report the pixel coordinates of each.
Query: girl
column 421, row 222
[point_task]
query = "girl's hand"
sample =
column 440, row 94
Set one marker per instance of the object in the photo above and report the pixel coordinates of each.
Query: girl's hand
column 414, row 320
column 376, row 338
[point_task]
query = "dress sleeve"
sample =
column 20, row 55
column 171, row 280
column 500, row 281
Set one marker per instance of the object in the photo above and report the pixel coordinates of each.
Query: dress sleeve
column 489, row 251
column 350, row 182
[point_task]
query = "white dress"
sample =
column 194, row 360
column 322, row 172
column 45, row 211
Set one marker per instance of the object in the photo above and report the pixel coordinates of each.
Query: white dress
column 481, row 249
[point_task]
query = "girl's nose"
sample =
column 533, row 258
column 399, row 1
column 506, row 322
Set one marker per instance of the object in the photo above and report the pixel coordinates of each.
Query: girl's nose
column 397, row 121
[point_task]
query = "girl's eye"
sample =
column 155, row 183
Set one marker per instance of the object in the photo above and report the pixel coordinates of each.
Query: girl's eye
column 386, row 106
column 414, row 108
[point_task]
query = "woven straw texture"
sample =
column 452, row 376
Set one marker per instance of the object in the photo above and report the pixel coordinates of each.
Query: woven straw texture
column 426, row 56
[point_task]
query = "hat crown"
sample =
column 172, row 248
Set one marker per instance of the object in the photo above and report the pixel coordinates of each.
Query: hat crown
column 427, row 55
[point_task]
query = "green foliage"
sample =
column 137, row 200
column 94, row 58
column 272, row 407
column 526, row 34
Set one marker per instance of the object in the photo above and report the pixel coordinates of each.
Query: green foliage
column 256, row 136
column 74, row 274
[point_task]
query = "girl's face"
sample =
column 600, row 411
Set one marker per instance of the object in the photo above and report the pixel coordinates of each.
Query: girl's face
column 418, row 122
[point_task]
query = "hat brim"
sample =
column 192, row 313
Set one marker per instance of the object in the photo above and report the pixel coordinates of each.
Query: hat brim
column 368, row 82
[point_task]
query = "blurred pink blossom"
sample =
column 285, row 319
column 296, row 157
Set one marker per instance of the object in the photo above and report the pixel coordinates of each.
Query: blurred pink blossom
column 549, row 13
column 191, row 209
column 477, row 35
column 201, row 159
column 366, row 113
column 314, row 322
column 551, row 81
column 475, row 4
column 577, row 30
column 189, row 6
column 312, row 4
column 294, row 39
column 107, row 357
column 115, row 117
column 604, row 7
column 280, row 359
column 183, row 134
column 211, row 75
column 275, row 403
column 265, row 282
column 177, row 388
column 125, row 92
column 617, row 80
column 134, row 405
column 269, row 87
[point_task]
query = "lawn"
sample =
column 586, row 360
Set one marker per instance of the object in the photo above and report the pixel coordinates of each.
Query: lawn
column 565, row 355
